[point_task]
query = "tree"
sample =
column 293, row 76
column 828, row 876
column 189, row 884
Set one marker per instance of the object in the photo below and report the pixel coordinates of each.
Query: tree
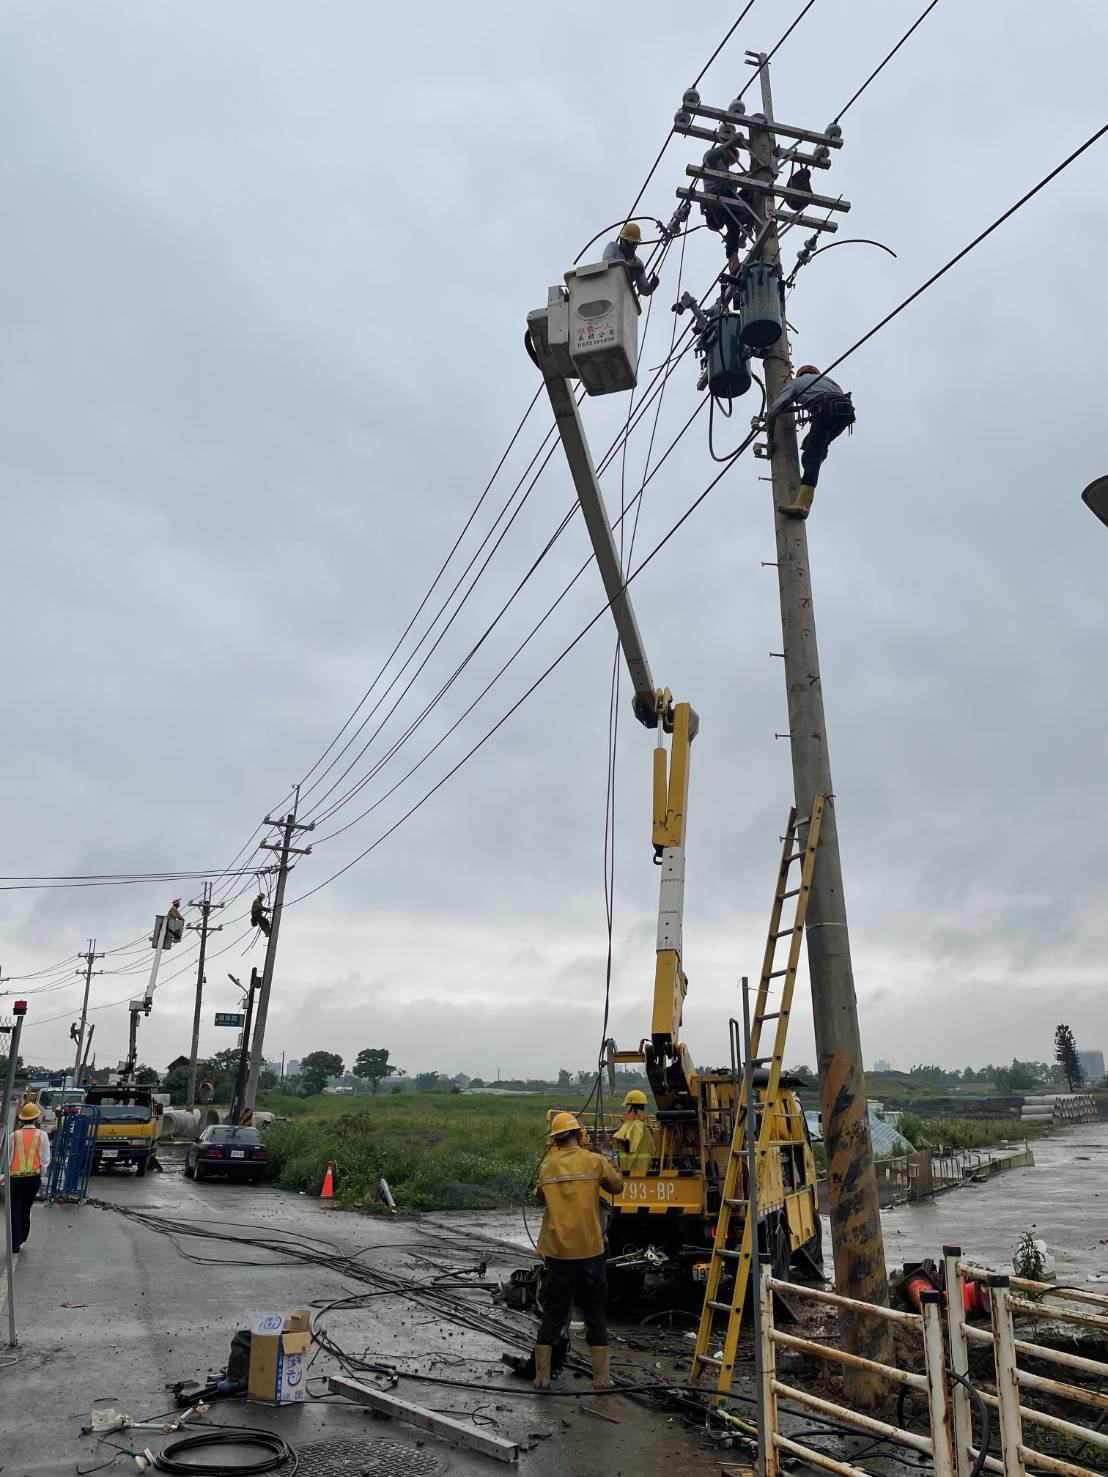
column 1065, row 1054
column 146, row 1076
column 428, row 1082
column 1020, row 1076
column 372, row 1065
column 315, row 1068
column 177, row 1085
column 565, row 1077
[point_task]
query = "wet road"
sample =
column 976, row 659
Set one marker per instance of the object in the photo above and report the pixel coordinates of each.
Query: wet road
column 110, row 1313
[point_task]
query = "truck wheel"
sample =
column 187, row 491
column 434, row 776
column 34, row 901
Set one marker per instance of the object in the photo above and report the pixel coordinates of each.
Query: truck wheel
column 140, row 1167
column 808, row 1259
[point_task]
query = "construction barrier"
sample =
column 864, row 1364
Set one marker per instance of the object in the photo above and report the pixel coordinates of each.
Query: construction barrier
column 71, row 1153
column 932, row 1383
column 1066, row 1305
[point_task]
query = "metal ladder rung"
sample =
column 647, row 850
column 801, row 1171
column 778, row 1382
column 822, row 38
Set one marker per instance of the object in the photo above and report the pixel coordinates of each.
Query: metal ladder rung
column 783, row 933
column 719, row 1307
column 793, row 892
column 776, row 974
column 735, row 1204
column 716, row 1359
column 773, row 1015
column 795, row 856
column 760, row 1061
column 727, row 1255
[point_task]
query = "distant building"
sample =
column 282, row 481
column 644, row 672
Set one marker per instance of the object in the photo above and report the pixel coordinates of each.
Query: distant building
column 881, row 1065
column 181, row 1064
column 292, row 1068
column 1092, row 1064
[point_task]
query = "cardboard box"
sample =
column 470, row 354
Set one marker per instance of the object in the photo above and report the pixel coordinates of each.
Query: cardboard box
column 279, row 1349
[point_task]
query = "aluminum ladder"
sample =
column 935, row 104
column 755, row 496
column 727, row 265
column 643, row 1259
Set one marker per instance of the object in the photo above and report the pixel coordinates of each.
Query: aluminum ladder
column 795, row 852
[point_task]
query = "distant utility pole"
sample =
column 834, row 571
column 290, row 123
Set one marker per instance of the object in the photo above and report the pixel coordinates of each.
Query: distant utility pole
column 205, row 905
column 90, row 957
column 290, row 826
column 239, row 1090
column 852, row 1185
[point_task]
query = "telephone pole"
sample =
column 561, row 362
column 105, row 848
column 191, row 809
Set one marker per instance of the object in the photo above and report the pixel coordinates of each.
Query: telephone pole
column 852, row 1185
column 205, row 905
column 851, row 1178
column 290, row 827
column 78, row 1034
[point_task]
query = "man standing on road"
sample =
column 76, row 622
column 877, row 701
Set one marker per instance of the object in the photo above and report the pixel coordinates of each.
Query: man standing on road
column 30, row 1156
column 571, row 1242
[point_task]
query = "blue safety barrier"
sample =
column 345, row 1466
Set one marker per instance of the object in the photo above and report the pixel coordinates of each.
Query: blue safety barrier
column 71, row 1153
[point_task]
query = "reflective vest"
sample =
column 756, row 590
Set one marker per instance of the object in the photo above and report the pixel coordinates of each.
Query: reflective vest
column 26, row 1153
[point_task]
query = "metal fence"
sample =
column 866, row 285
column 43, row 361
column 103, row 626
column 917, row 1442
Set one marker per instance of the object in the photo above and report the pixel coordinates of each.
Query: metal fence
column 71, row 1153
column 937, row 1444
column 1066, row 1305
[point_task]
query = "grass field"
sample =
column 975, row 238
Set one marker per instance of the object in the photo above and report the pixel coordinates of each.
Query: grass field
column 436, row 1150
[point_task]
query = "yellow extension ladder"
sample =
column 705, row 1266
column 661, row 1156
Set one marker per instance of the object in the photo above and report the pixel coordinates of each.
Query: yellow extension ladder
column 794, row 853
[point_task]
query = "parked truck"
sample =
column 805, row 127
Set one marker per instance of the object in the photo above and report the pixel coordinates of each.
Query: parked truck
column 129, row 1123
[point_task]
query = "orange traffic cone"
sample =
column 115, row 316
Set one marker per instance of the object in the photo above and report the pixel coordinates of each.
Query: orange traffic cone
column 328, row 1191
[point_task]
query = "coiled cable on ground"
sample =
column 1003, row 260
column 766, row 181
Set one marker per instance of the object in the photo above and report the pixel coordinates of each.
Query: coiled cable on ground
column 279, row 1453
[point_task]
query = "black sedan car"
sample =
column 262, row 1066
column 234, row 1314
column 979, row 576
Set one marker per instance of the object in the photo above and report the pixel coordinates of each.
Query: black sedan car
column 229, row 1150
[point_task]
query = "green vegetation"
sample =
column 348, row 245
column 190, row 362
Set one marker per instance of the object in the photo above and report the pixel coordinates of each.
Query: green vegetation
column 963, row 1133
column 437, row 1150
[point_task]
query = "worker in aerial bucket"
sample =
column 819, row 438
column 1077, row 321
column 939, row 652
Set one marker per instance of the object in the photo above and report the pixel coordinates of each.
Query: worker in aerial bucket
column 258, row 918
column 624, row 249
column 830, row 413
column 571, row 1242
column 633, row 1138
column 174, row 924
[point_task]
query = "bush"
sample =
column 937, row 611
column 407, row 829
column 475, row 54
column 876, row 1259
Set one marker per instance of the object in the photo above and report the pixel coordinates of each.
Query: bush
column 910, row 1126
column 971, row 1133
column 436, row 1150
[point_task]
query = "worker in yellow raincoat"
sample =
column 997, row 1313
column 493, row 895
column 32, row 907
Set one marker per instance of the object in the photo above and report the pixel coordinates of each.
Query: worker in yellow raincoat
column 633, row 1138
column 571, row 1243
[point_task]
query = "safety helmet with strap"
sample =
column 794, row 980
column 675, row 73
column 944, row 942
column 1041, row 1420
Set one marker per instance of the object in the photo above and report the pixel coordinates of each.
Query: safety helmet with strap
column 563, row 1123
column 631, row 232
column 636, row 1098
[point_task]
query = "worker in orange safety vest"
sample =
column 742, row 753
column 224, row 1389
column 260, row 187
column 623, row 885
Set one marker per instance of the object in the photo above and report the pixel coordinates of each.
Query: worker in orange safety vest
column 30, row 1156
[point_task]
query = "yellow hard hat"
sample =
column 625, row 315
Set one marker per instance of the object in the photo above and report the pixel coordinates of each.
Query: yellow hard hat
column 29, row 1112
column 635, row 1099
column 807, row 369
column 563, row 1123
column 631, row 232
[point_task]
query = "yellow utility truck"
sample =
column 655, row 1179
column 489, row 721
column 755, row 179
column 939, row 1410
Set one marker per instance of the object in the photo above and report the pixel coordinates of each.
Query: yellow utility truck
column 129, row 1124
column 667, row 1216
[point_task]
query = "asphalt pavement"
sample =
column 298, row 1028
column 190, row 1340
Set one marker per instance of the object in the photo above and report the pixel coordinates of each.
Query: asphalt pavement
column 110, row 1312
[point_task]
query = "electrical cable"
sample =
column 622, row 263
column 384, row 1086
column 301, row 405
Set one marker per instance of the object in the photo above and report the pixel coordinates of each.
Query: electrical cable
column 167, row 1460
column 775, row 49
column 882, row 65
column 742, row 16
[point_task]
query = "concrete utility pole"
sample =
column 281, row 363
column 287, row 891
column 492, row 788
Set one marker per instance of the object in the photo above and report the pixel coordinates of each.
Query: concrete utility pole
column 90, row 956
column 852, row 1185
column 239, row 1090
column 205, row 905
column 286, row 848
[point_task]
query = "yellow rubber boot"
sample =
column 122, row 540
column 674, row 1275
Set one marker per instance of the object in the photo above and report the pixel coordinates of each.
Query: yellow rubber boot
column 542, row 1366
column 803, row 505
column 601, row 1368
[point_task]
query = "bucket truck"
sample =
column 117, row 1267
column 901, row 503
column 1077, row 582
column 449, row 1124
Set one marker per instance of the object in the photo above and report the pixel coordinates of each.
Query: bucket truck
column 665, row 1217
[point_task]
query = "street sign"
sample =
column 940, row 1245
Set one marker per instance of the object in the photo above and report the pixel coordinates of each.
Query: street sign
column 229, row 1018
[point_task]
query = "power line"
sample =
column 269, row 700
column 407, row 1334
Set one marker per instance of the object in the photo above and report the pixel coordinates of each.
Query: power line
column 742, row 16
column 882, row 65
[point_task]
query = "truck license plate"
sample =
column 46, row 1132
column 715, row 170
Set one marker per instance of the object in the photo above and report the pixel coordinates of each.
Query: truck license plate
column 109, row 1153
column 238, row 1153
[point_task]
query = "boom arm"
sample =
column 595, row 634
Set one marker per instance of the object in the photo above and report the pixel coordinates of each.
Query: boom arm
column 668, row 1064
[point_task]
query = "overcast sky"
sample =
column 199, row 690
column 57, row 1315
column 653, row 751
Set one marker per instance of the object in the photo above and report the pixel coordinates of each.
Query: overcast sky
column 264, row 272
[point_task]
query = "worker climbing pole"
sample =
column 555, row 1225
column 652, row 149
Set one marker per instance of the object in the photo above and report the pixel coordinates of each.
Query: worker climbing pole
column 761, row 330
